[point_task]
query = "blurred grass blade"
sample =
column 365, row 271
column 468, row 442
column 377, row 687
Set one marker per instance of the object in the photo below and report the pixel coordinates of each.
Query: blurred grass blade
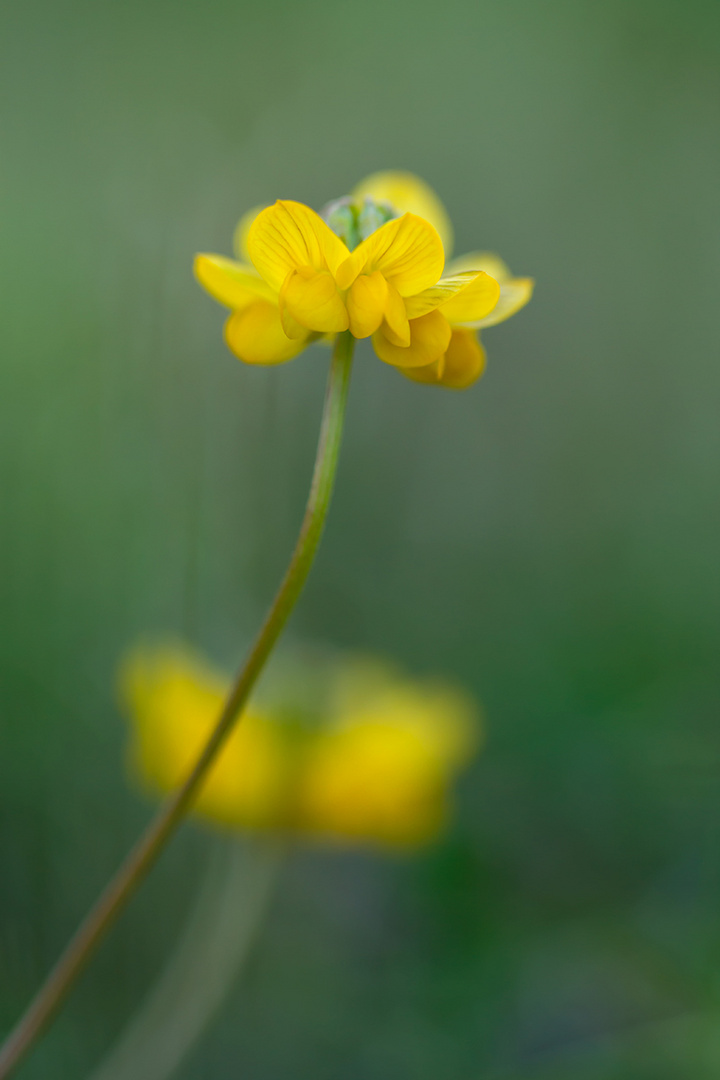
column 200, row 972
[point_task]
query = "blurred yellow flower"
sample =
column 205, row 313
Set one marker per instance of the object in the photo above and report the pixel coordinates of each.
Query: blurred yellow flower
column 345, row 750
column 373, row 264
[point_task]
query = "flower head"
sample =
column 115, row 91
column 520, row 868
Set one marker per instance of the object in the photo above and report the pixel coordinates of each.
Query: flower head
column 345, row 750
column 374, row 263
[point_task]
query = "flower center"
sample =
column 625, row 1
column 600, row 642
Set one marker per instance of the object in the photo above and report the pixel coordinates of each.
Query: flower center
column 354, row 222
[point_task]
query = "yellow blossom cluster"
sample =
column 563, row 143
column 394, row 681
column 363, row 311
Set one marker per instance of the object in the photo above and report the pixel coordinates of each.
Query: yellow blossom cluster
column 354, row 753
column 374, row 264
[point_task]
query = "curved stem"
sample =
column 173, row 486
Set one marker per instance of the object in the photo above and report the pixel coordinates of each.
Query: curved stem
column 144, row 854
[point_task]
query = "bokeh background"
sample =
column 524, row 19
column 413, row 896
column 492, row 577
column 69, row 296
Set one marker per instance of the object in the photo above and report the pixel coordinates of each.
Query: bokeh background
column 549, row 538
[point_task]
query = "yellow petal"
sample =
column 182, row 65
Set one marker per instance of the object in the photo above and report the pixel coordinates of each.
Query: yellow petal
column 291, row 326
column 406, row 192
column 461, row 297
column 407, row 251
column 429, row 338
column 514, row 294
column 461, row 366
column 431, row 374
column 256, row 335
column 311, row 298
column 381, row 771
column 396, row 326
column 242, row 230
column 371, row 781
column 476, row 300
column 464, row 360
column 288, row 236
column 233, row 284
column 174, row 699
column 366, row 304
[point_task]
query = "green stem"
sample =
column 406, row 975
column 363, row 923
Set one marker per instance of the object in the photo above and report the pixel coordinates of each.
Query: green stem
column 145, row 853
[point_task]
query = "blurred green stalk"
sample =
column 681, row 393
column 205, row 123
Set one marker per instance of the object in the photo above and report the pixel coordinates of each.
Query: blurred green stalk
column 215, row 941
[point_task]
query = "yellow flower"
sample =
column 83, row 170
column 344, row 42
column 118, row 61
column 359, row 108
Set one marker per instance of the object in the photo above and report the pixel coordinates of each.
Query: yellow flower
column 372, row 264
column 346, row 750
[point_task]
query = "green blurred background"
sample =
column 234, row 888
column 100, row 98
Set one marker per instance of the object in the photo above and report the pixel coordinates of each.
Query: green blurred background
column 549, row 538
